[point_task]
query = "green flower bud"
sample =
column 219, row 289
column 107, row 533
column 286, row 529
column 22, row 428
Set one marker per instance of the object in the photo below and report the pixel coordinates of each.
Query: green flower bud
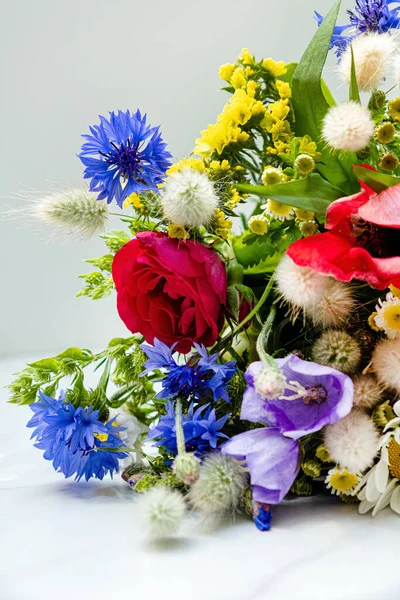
column 377, row 100
column 384, row 133
column 383, row 413
column 258, row 224
column 305, row 164
column 388, row 162
column 308, row 227
column 312, row 468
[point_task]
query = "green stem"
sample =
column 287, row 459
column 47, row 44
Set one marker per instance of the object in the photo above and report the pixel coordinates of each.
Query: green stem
column 180, row 438
column 257, row 307
column 264, row 334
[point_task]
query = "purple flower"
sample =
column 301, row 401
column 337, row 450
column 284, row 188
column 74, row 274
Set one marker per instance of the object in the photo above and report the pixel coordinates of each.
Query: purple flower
column 272, row 460
column 324, row 396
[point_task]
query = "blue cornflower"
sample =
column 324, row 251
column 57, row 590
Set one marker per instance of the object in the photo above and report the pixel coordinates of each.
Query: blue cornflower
column 71, row 438
column 124, row 155
column 262, row 516
column 201, row 429
column 194, row 379
column 368, row 15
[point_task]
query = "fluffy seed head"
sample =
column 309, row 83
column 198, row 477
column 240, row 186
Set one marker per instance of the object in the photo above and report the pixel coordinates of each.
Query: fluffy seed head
column 373, row 60
column 335, row 306
column 338, row 350
column 348, row 126
column 71, row 212
column 220, row 486
column 300, row 286
column 353, row 441
column 326, row 301
column 367, row 391
column 188, row 198
column 386, row 363
column 160, row 510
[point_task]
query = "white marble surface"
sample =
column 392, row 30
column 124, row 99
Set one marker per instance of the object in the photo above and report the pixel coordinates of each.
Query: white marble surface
column 63, row 540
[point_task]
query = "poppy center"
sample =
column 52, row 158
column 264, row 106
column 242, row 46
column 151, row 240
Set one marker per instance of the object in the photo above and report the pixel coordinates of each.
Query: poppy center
column 381, row 242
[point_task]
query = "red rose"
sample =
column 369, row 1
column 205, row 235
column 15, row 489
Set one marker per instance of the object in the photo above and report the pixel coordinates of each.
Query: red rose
column 363, row 241
column 169, row 289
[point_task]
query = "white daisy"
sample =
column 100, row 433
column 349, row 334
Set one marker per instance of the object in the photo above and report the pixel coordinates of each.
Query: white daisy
column 388, row 316
column 380, row 487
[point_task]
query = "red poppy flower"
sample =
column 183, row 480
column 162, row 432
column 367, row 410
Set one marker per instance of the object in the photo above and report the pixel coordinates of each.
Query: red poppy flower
column 363, row 241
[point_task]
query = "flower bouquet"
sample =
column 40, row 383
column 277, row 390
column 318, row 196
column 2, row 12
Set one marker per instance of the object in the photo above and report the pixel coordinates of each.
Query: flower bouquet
column 259, row 281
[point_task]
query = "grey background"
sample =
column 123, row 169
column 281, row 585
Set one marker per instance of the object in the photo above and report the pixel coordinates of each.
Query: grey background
column 62, row 64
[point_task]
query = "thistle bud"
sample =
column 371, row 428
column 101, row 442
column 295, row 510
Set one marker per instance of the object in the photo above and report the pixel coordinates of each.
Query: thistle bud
column 186, row 468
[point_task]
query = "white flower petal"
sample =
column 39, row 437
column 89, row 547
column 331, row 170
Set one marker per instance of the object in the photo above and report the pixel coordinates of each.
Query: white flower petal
column 395, row 500
column 371, row 492
column 385, row 455
column 361, row 496
column 397, row 435
column 396, row 408
column 365, row 506
column 381, row 476
column 392, row 423
column 384, row 500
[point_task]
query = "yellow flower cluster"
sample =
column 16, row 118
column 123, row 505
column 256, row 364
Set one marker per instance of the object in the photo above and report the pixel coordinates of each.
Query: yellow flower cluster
column 277, row 69
column 233, row 200
column 187, row 163
column 237, row 112
column 177, row 232
column 223, row 225
column 134, row 200
column 276, row 123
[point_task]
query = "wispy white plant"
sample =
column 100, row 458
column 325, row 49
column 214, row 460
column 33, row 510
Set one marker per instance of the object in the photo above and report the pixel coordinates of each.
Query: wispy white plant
column 73, row 212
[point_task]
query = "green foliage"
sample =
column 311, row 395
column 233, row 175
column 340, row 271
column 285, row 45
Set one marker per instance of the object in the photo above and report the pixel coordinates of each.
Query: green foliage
column 354, row 93
column 96, row 285
column 115, row 239
column 311, row 193
column 251, row 248
column 376, row 181
column 100, row 284
column 310, row 104
column 46, row 374
column 122, row 362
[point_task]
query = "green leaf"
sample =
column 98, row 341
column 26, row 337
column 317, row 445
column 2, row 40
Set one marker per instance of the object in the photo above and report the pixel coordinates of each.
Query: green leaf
column 310, row 104
column 327, row 94
column 311, row 193
column 288, row 76
column 74, row 354
column 46, row 364
column 376, row 181
column 354, row 93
